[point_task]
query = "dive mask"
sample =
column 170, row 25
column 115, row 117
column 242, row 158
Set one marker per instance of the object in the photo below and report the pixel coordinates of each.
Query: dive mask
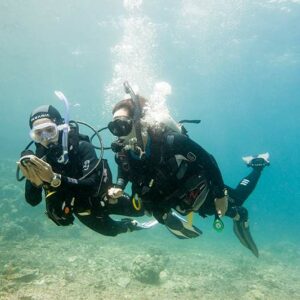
column 120, row 126
column 45, row 132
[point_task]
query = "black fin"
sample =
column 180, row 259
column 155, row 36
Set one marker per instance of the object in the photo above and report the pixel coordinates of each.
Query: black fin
column 242, row 231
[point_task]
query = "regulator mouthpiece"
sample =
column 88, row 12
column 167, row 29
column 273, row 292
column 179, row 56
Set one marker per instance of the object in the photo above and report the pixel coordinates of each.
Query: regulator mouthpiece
column 218, row 225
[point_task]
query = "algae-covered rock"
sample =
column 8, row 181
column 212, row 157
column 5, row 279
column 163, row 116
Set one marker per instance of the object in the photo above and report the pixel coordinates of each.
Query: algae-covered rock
column 147, row 268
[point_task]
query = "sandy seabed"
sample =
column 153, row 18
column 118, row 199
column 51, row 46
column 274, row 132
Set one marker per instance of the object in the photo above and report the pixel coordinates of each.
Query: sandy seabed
column 39, row 260
column 143, row 266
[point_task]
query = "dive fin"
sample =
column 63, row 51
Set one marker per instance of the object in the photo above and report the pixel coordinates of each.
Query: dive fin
column 179, row 227
column 134, row 225
column 147, row 225
column 260, row 160
column 242, row 231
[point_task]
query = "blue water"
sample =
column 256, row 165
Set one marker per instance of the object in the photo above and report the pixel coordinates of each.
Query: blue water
column 233, row 64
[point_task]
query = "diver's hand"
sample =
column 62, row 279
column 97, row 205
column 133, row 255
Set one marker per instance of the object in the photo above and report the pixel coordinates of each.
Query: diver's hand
column 30, row 174
column 42, row 169
column 115, row 192
column 221, row 205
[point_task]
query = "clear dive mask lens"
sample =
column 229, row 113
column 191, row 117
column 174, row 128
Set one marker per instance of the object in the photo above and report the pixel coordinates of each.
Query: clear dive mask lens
column 120, row 126
column 44, row 132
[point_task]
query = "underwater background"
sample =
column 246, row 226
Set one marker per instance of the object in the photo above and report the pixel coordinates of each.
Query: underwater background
column 233, row 64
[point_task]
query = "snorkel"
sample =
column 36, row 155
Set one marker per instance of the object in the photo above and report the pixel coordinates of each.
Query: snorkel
column 128, row 90
column 65, row 156
column 137, row 114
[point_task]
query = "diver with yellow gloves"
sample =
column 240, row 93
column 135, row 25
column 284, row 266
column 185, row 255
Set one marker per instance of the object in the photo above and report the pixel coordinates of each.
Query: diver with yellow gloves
column 75, row 181
column 170, row 172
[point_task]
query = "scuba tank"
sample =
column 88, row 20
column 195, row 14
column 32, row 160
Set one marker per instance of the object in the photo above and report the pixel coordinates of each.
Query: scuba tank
column 165, row 122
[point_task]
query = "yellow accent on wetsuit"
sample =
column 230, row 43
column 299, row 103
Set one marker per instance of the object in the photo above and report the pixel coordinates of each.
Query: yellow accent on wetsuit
column 136, row 202
column 190, row 218
column 50, row 193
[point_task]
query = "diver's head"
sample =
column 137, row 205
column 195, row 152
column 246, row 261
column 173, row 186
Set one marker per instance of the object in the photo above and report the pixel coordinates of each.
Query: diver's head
column 45, row 111
column 122, row 122
column 45, row 124
column 124, row 117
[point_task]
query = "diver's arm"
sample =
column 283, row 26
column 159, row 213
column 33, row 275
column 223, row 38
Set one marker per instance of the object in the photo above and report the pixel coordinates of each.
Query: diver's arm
column 122, row 175
column 33, row 194
column 121, row 179
column 180, row 144
column 116, row 191
column 86, row 159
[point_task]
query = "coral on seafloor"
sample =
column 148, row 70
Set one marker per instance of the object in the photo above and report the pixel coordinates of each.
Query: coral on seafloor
column 18, row 220
column 147, row 268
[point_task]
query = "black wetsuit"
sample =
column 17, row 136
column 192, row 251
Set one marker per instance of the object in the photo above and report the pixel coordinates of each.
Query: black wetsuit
column 239, row 195
column 173, row 172
column 86, row 197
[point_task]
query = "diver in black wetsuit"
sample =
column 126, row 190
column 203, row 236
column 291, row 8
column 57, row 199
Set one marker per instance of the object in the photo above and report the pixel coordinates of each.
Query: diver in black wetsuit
column 75, row 182
column 170, row 171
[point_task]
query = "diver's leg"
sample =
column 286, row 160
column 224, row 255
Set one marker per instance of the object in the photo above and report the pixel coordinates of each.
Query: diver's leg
column 241, row 227
column 248, row 183
column 244, row 188
column 236, row 198
column 106, row 225
column 164, row 215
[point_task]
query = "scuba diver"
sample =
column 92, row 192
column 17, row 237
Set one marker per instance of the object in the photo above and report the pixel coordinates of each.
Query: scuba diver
column 75, row 181
column 170, row 172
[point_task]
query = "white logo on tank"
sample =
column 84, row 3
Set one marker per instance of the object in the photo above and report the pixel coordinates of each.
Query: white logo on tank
column 86, row 165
